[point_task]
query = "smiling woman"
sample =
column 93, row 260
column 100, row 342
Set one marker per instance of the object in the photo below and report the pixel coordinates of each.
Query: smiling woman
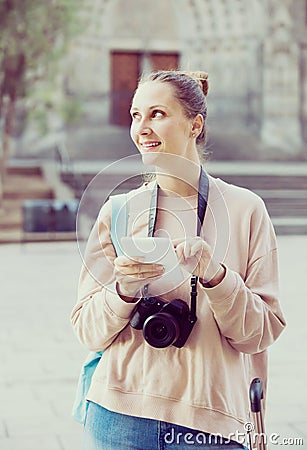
column 162, row 128
column 183, row 105
column 225, row 244
column 171, row 127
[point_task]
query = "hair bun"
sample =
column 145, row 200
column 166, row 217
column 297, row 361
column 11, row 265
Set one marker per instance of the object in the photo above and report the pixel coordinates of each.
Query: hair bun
column 202, row 80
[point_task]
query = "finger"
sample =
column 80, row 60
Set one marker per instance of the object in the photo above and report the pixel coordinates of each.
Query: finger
column 130, row 285
column 137, row 271
column 197, row 246
column 123, row 266
column 143, row 278
column 123, row 261
column 187, row 249
column 150, row 267
column 147, row 276
column 179, row 250
column 133, row 269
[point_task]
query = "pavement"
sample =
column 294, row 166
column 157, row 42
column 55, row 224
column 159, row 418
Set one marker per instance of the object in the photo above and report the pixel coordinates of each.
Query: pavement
column 41, row 358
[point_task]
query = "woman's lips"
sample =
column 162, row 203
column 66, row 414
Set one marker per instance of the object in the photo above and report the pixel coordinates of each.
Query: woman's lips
column 150, row 145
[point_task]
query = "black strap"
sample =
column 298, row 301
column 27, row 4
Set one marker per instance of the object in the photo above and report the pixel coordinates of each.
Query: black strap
column 153, row 211
column 203, row 194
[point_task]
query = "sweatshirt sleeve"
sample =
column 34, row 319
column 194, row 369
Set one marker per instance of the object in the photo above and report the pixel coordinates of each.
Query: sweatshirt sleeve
column 100, row 314
column 247, row 309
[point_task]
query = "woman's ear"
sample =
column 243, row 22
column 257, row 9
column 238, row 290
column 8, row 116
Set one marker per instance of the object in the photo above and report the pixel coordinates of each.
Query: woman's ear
column 197, row 125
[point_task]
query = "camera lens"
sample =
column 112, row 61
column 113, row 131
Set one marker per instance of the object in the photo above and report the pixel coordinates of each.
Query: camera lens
column 161, row 330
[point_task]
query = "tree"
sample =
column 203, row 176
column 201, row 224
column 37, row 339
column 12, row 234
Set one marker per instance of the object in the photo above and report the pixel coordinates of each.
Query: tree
column 33, row 37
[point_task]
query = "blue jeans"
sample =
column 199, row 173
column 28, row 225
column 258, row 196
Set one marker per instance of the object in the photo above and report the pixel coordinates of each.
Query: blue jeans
column 107, row 430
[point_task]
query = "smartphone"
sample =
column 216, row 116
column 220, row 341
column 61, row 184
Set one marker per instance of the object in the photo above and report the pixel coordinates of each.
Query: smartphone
column 159, row 250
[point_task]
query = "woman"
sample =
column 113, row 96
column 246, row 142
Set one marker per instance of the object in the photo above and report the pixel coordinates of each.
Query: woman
column 144, row 397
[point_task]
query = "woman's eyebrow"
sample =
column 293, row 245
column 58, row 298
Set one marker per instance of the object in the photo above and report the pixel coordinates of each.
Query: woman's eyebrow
column 134, row 108
column 158, row 106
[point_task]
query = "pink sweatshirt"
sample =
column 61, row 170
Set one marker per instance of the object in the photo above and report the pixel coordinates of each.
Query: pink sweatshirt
column 203, row 385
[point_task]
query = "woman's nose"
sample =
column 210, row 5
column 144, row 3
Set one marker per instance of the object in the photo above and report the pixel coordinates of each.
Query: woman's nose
column 143, row 128
column 145, row 131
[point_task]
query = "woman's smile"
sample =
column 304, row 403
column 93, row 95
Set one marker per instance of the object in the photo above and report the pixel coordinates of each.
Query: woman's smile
column 150, row 145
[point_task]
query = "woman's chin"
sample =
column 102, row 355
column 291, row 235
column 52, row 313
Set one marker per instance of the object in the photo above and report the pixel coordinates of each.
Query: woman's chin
column 150, row 158
column 163, row 160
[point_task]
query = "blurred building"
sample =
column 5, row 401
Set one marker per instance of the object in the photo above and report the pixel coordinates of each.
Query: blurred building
column 255, row 52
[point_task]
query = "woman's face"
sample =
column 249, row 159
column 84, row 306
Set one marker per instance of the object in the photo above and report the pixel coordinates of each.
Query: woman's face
column 159, row 125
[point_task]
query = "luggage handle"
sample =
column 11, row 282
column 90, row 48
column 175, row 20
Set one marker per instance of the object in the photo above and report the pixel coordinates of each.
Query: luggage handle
column 255, row 396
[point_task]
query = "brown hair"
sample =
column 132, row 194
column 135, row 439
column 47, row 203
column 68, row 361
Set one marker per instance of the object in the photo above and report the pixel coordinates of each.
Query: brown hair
column 190, row 89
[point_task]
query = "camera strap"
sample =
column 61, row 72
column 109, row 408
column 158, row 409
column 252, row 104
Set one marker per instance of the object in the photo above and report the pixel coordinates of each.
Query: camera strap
column 203, row 193
column 202, row 201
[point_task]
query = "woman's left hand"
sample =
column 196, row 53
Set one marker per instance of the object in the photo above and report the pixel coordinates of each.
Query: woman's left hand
column 195, row 255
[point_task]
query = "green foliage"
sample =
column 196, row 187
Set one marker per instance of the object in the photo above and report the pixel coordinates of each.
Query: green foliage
column 71, row 110
column 44, row 101
column 34, row 35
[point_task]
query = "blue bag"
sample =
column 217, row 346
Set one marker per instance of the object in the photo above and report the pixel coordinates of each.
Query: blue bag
column 80, row 406
column 118, row 229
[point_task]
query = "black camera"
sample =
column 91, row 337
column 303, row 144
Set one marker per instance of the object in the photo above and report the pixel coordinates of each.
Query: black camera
column 164, row 324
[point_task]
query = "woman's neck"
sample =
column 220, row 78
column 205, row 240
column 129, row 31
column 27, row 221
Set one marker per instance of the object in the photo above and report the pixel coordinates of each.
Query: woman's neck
column 183, row 183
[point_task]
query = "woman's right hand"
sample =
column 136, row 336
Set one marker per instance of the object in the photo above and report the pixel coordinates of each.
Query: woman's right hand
column 132, row 275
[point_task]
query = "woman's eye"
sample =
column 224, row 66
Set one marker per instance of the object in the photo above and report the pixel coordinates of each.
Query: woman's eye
column 135, row 115
column 157, row 114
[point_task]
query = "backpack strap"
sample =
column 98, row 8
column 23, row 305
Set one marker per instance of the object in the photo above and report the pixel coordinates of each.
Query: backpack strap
column 119, row 220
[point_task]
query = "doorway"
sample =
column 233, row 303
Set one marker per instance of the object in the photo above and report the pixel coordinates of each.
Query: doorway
column 126, row 68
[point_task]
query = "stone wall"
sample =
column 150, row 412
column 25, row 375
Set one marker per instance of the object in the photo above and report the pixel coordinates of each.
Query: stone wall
column 255, row 53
